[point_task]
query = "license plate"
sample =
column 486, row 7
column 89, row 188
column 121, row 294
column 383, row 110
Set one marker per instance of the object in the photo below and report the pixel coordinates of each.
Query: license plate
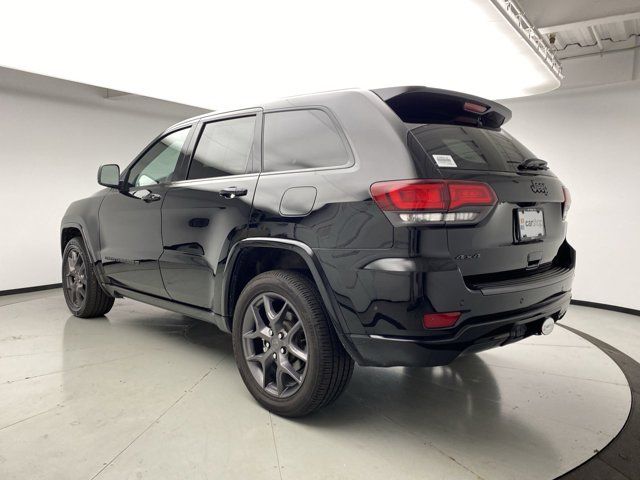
column 530, row 224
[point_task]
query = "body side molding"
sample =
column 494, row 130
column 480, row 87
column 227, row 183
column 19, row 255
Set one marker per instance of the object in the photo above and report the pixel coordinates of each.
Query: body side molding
column 199, row 313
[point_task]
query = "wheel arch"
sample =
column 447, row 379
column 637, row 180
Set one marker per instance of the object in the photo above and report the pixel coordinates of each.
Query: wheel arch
column 69, row 230
column 299, row 256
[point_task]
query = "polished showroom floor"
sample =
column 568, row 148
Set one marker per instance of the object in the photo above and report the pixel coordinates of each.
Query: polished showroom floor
column 149, row 394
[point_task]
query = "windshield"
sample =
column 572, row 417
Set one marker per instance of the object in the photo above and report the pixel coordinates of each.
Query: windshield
column 471, row 148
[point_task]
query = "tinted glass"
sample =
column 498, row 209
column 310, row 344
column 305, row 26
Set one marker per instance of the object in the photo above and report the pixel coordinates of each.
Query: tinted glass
column 472, row 148
column 158, row 164
column 302, row 139
column 224, row 148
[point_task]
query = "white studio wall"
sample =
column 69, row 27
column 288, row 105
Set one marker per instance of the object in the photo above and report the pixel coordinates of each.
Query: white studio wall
column 54, row 135
column 590, row 138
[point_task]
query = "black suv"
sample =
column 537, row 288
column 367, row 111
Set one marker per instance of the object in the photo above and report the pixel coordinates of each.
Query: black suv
column 399, row 226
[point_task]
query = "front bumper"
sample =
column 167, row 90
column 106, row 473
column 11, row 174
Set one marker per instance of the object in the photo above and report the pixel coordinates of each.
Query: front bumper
column 473, row 335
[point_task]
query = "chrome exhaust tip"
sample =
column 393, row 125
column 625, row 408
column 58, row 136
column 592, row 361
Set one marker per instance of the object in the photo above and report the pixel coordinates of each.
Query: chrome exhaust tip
column 547, row 326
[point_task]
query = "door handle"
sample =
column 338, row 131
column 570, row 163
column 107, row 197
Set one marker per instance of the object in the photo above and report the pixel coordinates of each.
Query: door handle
column 151, row 197
column 233, row 192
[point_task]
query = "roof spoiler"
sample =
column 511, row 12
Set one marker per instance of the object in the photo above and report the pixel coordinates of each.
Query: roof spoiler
column 433, row 105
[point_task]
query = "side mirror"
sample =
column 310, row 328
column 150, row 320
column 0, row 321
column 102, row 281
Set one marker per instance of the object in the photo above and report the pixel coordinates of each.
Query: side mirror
column 109, row 176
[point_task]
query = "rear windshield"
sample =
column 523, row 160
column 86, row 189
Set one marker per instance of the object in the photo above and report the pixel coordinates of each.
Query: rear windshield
column 471, row 148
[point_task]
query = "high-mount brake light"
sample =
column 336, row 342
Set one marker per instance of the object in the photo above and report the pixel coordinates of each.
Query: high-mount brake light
column 432, row 201
column 474, row 107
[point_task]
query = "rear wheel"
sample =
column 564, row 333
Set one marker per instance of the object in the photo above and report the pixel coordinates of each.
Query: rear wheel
column 82, row 292
column 287, row 352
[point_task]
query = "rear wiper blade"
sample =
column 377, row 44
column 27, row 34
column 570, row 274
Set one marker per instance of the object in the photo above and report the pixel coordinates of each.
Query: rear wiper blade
column 533, row 164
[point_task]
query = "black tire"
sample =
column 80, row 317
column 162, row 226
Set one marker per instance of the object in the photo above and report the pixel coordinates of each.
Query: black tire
column 84, row 296
column 328, row 367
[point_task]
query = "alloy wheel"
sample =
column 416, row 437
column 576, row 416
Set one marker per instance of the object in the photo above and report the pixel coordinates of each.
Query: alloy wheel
column 75, row 278
column 274, row 344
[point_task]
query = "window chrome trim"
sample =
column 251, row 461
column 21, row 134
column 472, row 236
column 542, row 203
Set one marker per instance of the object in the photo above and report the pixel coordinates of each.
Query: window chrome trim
column 308, row 170
column 179, row 183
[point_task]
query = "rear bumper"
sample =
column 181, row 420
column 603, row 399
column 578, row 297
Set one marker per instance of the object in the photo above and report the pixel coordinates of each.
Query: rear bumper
column 473, row 335
column 382, row 301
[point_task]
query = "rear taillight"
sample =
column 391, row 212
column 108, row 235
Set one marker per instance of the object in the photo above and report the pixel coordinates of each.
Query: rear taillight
column 566, row 204
column 433, row 201
column 440, row 320
column 470, row 193
column 410, row 195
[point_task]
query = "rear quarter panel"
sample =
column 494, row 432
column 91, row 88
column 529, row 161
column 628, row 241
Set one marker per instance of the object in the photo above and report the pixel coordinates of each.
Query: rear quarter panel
column 344, row 227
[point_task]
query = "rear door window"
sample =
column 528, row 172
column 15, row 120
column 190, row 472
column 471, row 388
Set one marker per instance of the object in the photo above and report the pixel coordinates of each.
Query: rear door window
column 299, row 139
column 471, row 148
column 224, row 148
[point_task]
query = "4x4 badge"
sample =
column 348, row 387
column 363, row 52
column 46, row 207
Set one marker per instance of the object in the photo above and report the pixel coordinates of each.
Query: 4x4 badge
column 472, row 256
column 539, row 187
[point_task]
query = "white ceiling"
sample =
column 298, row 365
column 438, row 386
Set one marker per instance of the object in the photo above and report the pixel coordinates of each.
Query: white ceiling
column 223, row 54
column 595, row 35
column 546, row 13
column 597, row 41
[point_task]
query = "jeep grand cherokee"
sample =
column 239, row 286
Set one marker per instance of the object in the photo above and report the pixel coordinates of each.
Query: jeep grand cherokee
column 400, row 226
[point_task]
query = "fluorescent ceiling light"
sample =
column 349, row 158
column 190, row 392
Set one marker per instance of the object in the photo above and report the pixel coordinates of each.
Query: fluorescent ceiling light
column 237, row 53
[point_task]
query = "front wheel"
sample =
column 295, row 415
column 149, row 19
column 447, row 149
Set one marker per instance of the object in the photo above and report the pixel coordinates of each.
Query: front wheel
column 82, row 292
column 288, row 354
